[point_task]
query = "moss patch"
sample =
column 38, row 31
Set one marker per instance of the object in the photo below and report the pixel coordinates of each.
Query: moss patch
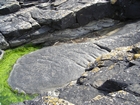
column 7, row 96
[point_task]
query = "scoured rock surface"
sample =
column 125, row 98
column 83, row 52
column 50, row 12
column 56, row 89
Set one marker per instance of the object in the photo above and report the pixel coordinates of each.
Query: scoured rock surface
column 123, row 36
column 52, row 67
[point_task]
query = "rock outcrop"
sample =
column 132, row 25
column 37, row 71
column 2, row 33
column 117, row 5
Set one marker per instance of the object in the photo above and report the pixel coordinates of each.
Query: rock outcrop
column 113, row 79
column 101, row 70
column 55, row 67
column 42, row 19
column 115, row 76
column 8, row 6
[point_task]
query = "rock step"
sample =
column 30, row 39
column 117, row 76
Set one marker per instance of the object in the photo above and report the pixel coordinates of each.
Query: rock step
column 21, row 27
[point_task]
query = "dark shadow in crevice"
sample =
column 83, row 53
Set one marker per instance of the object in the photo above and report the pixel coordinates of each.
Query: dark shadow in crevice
column 112, row 86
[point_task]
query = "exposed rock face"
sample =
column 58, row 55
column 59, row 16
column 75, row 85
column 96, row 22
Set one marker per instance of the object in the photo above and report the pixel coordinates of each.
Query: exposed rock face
column 52, row 67
column 124, row 36
column 111, row 78
column 115, row 76
column 67, row 34
column 8, row 6
column 28, row 23
column 22, row 26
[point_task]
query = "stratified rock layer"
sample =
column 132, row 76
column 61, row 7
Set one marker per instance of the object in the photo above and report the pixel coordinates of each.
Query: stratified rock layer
column 55, row 66
column 42, row 19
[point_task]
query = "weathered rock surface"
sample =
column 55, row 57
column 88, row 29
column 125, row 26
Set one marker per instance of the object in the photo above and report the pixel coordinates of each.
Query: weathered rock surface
column 59, row 65
column 25, row 25
column 114, row 79
column 111, row 79
column 123, row 36
column 52, row 67
column 8, row 6
column 115, row 76
column 67, row 34
column 46, row 100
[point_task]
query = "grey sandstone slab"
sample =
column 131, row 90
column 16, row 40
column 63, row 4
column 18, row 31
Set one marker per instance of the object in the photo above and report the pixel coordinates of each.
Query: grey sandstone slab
column 123, row 36
column 52, row 67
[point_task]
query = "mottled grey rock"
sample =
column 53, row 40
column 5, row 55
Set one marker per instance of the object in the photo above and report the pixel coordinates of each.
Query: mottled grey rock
column 114, row 79
column 17, row 42
column 17, row 24
column 45, row 100
column 8, row 6
column 79, row 94
column 3, row 43
column 114, row 72
column 123, row 36
column 52, row 67
column 61, row 14
column 43, row 31
column 86, row 10
column 59, row 19
column 67, row 34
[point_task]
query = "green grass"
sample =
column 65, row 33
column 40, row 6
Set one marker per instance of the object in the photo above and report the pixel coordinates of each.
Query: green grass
column 7, row 95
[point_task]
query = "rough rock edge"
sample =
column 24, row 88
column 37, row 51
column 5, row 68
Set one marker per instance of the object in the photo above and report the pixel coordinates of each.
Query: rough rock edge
column 1, row 54
column 122, row 51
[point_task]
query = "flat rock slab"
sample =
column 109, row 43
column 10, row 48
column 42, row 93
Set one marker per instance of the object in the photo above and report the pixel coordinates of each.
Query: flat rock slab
column 52, row 67
column 123, row 36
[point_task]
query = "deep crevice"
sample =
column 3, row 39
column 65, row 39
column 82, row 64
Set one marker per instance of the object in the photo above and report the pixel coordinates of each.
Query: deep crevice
column 103, row 47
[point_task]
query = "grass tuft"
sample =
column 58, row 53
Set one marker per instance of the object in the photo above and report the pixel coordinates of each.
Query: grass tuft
column 7, row 95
